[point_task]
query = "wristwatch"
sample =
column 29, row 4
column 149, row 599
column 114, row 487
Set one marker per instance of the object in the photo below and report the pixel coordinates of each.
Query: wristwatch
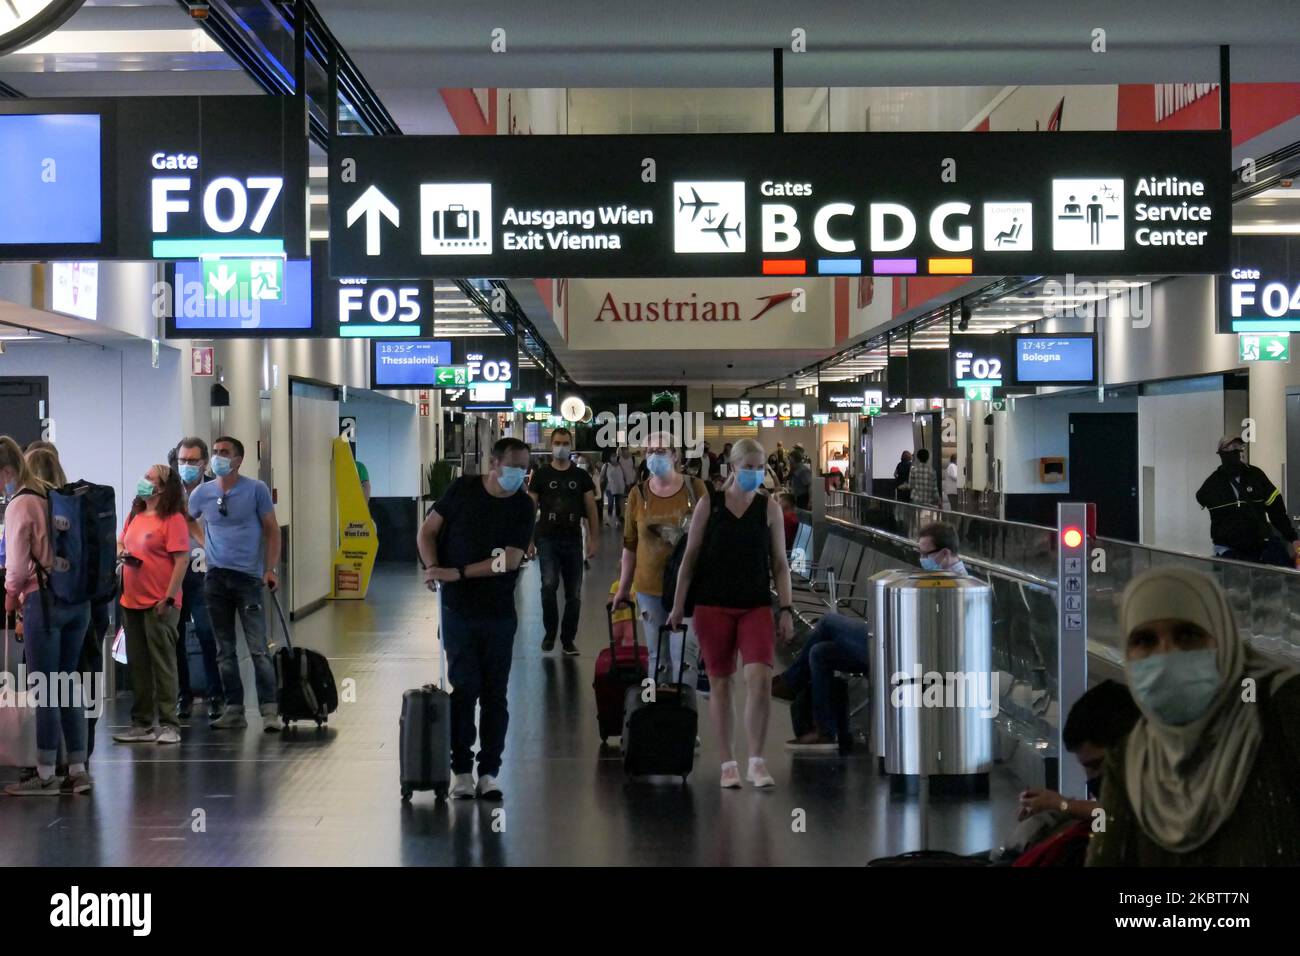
column 788, row 609
column 170, row 602
column 460, row 569
column 1065, row 806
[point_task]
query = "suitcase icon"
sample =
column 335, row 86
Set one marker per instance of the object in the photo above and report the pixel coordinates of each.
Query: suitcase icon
column 456, row 222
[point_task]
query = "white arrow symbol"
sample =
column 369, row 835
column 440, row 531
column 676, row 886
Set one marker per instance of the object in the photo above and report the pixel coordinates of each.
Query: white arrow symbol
column 718, row 410
column 372, row 205
column 222, row 281
column 1276, row 348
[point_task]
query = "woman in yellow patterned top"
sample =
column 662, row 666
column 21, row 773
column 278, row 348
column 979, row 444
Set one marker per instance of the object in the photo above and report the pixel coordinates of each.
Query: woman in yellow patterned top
column 656, row 517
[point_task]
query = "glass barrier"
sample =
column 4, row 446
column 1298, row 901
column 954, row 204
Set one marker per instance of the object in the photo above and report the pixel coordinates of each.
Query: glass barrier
column 1019, row 562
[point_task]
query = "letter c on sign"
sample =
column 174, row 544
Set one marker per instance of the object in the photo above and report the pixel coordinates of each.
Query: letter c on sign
column 824, row 215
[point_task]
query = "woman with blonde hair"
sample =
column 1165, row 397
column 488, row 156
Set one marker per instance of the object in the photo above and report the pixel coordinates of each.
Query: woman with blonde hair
column 53, row 630
column 735, row 551
column 44, row 464
column 656, row 517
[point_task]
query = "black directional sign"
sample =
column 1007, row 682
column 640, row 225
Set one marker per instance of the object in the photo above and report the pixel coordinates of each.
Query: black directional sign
column 753, row 204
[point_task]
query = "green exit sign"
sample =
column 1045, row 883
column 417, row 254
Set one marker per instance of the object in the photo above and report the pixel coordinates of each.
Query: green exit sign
column 1264, row 346
column 244, row 280
column 452, row 375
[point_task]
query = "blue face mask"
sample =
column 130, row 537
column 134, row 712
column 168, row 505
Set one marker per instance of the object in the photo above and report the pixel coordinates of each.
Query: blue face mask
column 145, row 489
column 931, row 564
column 190, row 473
column 220, row 466
column 659, row 465
column 749, row 478
column 1177, row 687
column 511, row 479
column 11, row 488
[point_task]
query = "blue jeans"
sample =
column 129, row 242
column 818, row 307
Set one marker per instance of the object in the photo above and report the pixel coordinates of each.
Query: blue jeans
column 54, row 651
column 194, row 607
column 561, row 558
column 653, row 616
column 479, row 651
column 229, row 593
column 837, row 643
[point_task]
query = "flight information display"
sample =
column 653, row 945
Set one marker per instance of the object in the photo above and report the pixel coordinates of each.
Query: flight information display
column 1056, row 360
column 50, row 167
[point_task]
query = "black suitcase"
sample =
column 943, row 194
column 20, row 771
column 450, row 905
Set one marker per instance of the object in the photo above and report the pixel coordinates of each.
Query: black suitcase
column 304, row 683
column 424, row 747
column 659, row 735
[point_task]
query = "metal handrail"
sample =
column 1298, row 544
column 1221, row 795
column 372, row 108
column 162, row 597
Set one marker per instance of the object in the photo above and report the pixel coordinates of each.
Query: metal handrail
column 1116, row 541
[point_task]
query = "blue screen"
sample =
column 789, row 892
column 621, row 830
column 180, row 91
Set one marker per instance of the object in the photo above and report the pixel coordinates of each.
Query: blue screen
column 409, row 364
column 49, row 167
column 196, row 312
column 1053, row 358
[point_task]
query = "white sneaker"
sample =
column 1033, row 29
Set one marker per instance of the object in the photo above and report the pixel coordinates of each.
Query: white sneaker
column 462, row 786
column 488, row 789
column 758, row 775
column 730, row 776
column 169, row 735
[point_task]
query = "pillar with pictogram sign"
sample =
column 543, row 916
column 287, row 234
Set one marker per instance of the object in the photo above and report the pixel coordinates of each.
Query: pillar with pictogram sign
column 1076, row 523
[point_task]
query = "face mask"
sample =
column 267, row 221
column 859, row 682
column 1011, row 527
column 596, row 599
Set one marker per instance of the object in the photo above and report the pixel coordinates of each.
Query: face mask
column 659, row 465
column 11, row 488
column 1177, row 687
column 190, row 473
column 145, row 489
column 931, row 564
column 511, row 479
column 560, row 452
column 749, row 478
column 220, row 466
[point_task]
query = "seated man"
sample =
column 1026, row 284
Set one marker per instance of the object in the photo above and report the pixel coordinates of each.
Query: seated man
column 1055, row 831
column 839, row 643
column 790, row 517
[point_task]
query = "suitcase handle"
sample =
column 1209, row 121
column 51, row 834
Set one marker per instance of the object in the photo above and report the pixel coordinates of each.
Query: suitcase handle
column 659, row 656
column 284, row 624
column 609, row 616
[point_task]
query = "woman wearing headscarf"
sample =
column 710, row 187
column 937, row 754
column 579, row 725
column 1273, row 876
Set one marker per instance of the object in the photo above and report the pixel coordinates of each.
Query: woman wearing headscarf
column 1210, row 775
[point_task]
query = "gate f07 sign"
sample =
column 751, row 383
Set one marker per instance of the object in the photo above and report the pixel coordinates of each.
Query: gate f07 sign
column 798, row 205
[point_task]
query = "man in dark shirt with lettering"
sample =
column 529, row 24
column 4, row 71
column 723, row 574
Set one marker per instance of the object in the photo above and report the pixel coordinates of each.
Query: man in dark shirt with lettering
column 473, row 542
column 564, row 495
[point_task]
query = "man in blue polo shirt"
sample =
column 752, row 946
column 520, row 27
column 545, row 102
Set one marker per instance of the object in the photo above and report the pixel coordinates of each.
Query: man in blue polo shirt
column 242, row 544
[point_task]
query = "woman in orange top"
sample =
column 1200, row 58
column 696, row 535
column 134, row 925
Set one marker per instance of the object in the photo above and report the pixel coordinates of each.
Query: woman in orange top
column 155, row 551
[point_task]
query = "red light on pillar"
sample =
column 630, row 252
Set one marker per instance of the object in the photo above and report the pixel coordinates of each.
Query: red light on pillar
column 1072, row 537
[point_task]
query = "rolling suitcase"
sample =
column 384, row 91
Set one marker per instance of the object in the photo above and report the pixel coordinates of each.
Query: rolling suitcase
column 619, row 667
column 425, row 738
column 304, row 683
column 659, row 735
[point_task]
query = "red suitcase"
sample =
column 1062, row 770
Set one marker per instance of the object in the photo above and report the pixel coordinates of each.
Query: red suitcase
column 621, row 665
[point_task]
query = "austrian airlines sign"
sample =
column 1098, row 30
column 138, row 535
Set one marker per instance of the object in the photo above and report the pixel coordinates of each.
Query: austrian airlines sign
column 800, row 204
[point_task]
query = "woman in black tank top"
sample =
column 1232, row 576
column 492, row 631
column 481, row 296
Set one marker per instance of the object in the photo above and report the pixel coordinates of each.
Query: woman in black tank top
column 735, row 554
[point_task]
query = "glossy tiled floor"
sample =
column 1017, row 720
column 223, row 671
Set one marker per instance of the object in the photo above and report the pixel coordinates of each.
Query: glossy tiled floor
column 330, row 798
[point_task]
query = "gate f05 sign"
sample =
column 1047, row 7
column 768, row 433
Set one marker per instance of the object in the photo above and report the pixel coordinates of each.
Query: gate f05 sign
column 755, row 204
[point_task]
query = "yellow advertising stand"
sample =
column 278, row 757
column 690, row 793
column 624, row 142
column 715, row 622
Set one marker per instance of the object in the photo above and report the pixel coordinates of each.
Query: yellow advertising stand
column 358, row 542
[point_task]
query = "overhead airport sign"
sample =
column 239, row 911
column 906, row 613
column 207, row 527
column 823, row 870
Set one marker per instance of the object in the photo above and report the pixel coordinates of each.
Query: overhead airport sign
column 758, row 409
column 1055, row 360
column 371, row 308
column 1261, row 291
column 845, row 398
column 1264, row 346
column 177, row 177
column 979, row 362
column 759, row 204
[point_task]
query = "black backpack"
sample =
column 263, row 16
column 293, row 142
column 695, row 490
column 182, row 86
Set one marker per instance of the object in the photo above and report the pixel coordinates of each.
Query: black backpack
column 717, row 501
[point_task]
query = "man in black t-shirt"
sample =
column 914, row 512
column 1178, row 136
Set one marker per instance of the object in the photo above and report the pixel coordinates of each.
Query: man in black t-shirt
column 473, row 542
column 565, row 495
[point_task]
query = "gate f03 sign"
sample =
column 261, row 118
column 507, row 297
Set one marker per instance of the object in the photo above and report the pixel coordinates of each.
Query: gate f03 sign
column 755, row 204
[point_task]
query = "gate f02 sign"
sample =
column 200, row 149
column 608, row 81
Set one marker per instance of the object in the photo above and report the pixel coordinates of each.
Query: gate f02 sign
column 758, row 204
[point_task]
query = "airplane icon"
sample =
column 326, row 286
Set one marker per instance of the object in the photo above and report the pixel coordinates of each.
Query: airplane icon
column 696, row 205
column 722, row 230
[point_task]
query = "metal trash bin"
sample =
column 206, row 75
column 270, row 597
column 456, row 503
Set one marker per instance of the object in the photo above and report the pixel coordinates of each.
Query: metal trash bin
column 939, row 721
column 880, row 686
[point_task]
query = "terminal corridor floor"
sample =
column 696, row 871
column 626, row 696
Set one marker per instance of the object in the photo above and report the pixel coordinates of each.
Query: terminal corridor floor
column 331, row 797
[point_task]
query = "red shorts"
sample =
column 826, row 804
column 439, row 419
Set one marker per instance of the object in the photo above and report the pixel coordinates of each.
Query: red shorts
column 724, row 630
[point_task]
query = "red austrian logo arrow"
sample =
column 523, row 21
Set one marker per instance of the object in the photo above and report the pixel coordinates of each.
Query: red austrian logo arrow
column 772, row 302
